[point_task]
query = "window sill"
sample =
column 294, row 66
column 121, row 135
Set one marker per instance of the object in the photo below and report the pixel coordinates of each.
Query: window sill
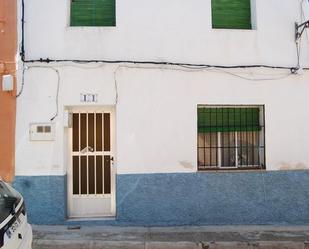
column 89, row 28
column 233, row 30
column 232, row 169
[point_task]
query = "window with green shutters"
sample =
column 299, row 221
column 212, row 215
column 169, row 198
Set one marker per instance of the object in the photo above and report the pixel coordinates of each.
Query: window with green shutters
column 228, row 119
column 230, row 137
column 231, row 14
column 93, row 13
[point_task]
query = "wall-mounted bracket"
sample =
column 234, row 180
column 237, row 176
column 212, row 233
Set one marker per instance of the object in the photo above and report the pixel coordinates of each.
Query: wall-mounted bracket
column 300, row 28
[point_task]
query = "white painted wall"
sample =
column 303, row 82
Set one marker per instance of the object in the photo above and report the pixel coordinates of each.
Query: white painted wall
column 174, row 30
column 37, row 104
column 156, row 120
column 156, row 115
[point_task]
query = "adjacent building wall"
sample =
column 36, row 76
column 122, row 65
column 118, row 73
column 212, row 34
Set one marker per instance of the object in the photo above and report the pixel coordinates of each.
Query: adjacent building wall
column 8, row 43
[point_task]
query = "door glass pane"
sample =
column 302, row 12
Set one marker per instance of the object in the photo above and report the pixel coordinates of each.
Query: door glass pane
column 75, row 175
column 107, row 175
column 75, row 132
column 91, row 174
column 99, row 174
column 83, row 172
column 228, row 149
column 83, row 130
column 91, row 130
column 107, row 137
column 99, row 132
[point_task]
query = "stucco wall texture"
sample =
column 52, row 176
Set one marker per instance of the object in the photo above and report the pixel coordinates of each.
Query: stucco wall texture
column 8, row 46
column 219, row 198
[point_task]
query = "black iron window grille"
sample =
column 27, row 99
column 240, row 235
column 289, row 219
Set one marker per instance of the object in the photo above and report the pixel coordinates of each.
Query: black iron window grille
column 231, row 137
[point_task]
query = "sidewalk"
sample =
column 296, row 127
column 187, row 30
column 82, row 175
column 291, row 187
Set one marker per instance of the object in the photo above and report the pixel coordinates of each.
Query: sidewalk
column 210, row 237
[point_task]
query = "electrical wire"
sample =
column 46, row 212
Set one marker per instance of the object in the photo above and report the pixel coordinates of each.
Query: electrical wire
column 76, row 65
column 57, row 95
column 57, row 90
column 298, row 48
column 209, row 69
column 255, row 79
column 166, row 63
column 22, row 52
column 299, row 41
column 116, row 85
column 48, row 60
column 189, row 66
column 22, row 82
column 190, row 69
column 303, row 16
column 172, row 68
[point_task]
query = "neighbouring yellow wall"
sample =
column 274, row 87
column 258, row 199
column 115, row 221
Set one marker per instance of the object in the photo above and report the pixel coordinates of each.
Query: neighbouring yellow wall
column 8, row 46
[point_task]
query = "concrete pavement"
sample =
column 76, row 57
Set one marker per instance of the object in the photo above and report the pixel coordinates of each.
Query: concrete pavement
column 190, row 237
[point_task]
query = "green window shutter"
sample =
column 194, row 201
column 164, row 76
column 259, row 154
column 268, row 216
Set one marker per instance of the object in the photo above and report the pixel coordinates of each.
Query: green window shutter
column 228, row 119
column 93, row 13
column 231, row 14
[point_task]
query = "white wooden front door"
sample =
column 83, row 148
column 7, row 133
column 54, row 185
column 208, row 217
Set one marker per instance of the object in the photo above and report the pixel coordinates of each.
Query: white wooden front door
column 91, row 177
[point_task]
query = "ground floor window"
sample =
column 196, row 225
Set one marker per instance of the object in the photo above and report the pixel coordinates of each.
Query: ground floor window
column 231, row 137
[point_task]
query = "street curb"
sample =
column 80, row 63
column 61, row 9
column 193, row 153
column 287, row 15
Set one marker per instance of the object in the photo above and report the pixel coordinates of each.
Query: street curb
column 99, row 244
column 242, row 237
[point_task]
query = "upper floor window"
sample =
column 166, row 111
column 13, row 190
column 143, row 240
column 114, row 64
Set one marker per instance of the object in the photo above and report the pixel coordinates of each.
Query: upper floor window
column 231, row 14
column 93, row 13
column 231, row 137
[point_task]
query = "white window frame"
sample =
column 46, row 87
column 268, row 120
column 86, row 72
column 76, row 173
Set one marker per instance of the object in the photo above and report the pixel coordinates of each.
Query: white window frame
column 219, row 153
column 261, row 134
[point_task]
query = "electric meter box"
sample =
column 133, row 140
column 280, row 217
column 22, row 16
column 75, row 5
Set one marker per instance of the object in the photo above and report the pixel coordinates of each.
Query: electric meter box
column 42, row 132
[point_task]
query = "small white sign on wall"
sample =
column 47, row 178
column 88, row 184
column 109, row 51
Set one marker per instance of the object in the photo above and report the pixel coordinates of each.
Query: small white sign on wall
column 88, row 97
column 7, row 83
column 42, row 132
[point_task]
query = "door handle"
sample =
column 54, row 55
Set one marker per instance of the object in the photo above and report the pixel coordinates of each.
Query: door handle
column 87, row 149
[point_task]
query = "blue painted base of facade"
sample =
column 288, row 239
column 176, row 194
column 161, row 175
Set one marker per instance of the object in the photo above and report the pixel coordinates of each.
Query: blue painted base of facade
column 224, row 198
column 45, row 198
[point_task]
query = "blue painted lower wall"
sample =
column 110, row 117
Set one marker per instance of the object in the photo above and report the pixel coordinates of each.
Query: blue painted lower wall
column 45, row 198
column 227, row 198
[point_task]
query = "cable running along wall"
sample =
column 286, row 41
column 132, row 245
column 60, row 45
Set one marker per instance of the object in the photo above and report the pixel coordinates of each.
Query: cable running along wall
column 293, row 69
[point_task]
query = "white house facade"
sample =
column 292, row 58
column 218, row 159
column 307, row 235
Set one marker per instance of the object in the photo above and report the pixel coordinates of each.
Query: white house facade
column 163, row 112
